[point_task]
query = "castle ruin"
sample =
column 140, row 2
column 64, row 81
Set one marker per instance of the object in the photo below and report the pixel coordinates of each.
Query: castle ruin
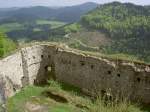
column 38, row 63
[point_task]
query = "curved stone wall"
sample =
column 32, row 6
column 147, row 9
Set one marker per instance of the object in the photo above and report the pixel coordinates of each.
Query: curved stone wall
column 94, row 75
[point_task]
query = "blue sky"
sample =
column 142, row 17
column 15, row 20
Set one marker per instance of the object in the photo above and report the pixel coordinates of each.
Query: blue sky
column 22, row 3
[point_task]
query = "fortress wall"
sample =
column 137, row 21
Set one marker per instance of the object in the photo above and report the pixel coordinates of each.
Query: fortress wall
column 37, row 59
column 99, row 75
column 11, row 67
column 38, row 63
column 11, row 73
column 33, row 61
column 139, row 78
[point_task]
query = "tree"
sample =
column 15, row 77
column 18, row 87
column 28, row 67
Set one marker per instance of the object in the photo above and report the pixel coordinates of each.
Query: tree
column 6, row 45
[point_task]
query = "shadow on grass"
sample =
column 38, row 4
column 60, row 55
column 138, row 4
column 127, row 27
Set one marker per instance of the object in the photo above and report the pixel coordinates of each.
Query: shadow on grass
column 146, row 108
column 64, row 86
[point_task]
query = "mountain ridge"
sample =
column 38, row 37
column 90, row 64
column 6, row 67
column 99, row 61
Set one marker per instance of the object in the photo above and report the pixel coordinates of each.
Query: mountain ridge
column 67, row 14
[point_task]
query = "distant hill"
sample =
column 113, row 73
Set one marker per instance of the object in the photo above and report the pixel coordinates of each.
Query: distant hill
column 65, row 14
column 126, row 24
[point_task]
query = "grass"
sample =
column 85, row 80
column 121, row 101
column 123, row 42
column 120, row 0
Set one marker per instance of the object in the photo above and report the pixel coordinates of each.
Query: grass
column 76, row 102
column 54, row 24
column 77, row 44
column 35, row 95
column 36, row 29
column 16, row 103
column 7, row 27
column 119, row 108
column 10, row 27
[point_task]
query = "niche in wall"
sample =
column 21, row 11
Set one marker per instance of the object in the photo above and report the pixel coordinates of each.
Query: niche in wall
column 109, row 72
column 45, row 73
column 42, row 56
column 48, row 68
column 50, row 71
column 49, row 56
column 82, row 63
column 138, row 79
column 92, row 66
column 33, row 57
column 118, row 75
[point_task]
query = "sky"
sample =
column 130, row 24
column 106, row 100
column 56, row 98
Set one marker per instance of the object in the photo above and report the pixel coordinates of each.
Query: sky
column 26, row 3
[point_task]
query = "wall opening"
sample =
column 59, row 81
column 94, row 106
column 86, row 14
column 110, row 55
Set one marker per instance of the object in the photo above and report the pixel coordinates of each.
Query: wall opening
column 138, row 80
column 82, row 63
column 118, row 75
column 50, row 72
column 109, row 72
column 48, row 68
column 103, row 92
column 14, row 89
column 107, row 97
column 92, row 66
column 33, row 57
column 42, row 56
column 49, row 56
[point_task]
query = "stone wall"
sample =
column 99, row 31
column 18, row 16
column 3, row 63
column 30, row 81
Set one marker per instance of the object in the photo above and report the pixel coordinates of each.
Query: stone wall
column 11, row 73
column 37, row 58
column 101, row 75
column 94, row 75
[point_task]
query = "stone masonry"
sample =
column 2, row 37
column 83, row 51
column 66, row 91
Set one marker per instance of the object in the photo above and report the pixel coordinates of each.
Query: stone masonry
column 94, row 75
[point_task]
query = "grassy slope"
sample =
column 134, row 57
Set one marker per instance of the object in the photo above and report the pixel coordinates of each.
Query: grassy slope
column 10, row 27
column 35, row 95
column 54, row 24
column 75, row 101
column 7, row 27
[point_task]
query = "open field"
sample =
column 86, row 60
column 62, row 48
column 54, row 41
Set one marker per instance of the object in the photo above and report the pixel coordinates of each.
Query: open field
column 54, row 24
column 10, row 27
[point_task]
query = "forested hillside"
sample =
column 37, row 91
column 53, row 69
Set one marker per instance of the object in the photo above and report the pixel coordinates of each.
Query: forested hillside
column 6, row 45
column 128, row 25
